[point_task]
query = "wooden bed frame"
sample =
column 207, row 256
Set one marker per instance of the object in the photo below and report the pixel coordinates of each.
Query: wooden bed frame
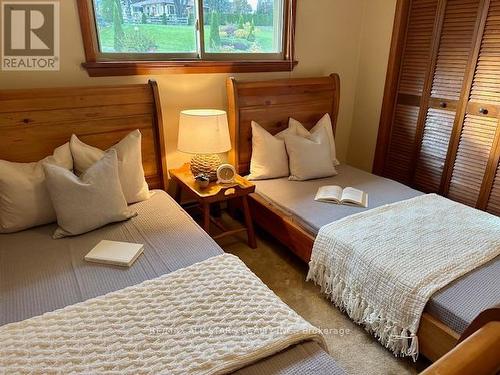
column 34, row 122
column 271, row 104
column 477, row 354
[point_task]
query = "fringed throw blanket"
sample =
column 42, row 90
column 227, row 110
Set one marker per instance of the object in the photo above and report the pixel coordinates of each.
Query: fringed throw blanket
column 213, row 317
column 381, row 266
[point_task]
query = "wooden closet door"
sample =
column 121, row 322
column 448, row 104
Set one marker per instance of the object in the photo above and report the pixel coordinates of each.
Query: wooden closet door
column 458, row 27
column 475, row 166
column 414, row 73
column 493, row 204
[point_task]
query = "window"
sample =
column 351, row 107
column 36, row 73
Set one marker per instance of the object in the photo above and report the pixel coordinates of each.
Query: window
column 149, row 36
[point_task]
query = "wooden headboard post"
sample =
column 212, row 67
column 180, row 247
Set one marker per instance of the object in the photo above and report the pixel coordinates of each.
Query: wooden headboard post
column 233, row 119
column 271, row 104
column 160, row 141
column 34, row 122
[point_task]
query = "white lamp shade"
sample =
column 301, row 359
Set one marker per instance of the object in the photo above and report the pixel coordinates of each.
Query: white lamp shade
column 203, row 131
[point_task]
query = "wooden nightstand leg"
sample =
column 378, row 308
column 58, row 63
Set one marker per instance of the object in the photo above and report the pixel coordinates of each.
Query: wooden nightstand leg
column 206, row 217
column 178, row 192
column 249, row 223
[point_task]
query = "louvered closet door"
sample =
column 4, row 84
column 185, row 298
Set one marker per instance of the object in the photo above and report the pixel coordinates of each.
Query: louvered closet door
column 493, row 205
column 413, row 75
column 455, row 46
column 477, row 155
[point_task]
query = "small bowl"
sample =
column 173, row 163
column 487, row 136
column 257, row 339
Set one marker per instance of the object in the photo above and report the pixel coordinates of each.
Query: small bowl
column 202, row 180
column 202, row 183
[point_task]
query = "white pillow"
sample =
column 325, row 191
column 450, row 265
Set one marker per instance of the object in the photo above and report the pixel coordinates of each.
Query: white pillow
column 87, row 202
column 24, row 199
column 324, row 123
column 269, row 159
column 309, row 158
column 130, row 169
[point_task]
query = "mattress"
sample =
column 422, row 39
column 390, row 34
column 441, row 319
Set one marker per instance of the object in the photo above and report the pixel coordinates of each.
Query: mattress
column 455, row 305
column 297, row 197
column 39, row 274
column 307, row 358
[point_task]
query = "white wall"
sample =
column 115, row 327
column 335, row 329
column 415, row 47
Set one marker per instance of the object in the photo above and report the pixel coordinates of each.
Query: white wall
column 374, row 47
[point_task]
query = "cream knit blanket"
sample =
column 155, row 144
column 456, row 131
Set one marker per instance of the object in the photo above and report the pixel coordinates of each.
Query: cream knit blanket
column 381, row 266
column 210, row 318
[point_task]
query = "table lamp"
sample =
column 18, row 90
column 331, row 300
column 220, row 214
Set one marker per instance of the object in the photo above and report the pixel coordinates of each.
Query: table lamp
column 204, row 133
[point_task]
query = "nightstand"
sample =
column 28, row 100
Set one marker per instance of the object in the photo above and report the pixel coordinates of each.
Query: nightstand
column 216, row 193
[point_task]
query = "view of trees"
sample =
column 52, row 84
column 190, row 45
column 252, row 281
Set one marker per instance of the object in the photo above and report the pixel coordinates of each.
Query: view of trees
column 221, row 6
column 230, row 25
column 265, row 7
column 233, row 23
column 112, row 12
column 180, row 7
column 241, row 7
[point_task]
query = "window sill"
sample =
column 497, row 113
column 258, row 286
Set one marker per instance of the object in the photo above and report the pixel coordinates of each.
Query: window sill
column 128, row 68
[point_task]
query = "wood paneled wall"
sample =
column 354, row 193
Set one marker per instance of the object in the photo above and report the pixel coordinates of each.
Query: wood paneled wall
column 439, row 129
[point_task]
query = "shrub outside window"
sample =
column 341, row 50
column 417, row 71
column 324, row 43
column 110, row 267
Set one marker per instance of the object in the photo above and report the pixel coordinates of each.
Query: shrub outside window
column 187, row 30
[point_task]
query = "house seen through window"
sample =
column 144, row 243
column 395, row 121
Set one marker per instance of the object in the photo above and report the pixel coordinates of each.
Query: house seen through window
column 193, row 29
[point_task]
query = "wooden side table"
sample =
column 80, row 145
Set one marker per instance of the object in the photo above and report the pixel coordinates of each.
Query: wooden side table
column 216, row 193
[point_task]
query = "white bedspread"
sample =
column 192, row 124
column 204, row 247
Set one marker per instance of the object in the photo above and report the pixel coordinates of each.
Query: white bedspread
column 381, row 266
column 212, row 317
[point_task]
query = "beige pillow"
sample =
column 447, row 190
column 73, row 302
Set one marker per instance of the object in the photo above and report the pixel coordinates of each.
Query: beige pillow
column 269, row 158
column 130, row 168
column 309, row 158
column 324, row 123
column 24, row 199
column 87, row 202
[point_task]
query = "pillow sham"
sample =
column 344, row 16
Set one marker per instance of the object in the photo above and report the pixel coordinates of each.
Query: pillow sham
column 324, row 123
column 90, row 201
column 309, row 157
column 269, row 158
column 130, row 169
column 24, row 199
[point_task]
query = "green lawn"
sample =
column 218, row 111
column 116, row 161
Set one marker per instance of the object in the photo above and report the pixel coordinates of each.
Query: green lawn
column 167, row 38
column 173, row 39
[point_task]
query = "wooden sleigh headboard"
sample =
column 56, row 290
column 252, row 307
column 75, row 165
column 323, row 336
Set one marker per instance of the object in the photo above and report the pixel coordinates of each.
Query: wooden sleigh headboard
column 271, row 104
column 34, row 122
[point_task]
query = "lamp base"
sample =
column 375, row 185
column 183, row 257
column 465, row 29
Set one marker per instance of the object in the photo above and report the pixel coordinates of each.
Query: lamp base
column 206, row 164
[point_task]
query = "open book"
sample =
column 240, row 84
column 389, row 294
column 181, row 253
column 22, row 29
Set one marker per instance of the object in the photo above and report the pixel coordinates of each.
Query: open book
column 337, row 195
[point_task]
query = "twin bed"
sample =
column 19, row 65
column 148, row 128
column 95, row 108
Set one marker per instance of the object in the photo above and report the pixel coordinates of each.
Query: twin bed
column 38, row 274
column 287, row 210
column 52, row 274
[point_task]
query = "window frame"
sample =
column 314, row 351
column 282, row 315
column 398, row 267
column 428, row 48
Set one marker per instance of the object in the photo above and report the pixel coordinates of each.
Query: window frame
column 100, row 64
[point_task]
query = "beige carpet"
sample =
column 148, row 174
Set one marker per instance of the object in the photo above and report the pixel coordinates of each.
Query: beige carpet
column 354, row 349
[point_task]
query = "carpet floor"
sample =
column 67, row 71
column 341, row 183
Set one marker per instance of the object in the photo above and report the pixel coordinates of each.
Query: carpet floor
column 349, row 344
